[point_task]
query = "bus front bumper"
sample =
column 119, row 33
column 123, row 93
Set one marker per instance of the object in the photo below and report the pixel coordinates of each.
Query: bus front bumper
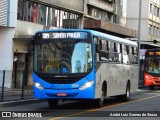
column 152, row 82
column 64, row 94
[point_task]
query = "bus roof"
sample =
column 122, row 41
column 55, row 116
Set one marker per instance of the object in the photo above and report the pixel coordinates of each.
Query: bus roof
column 96, row 33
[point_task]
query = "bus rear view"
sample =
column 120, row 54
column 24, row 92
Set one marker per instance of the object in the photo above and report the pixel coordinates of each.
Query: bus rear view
column 152, row 68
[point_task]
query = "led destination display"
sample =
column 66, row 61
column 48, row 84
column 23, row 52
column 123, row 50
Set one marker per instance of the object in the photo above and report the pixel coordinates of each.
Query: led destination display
column 64, row 35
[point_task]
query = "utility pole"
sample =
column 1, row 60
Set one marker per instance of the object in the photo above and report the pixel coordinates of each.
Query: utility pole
column 139, row 39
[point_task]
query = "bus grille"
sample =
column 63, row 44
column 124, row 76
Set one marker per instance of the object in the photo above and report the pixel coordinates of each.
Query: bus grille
column 61, row 80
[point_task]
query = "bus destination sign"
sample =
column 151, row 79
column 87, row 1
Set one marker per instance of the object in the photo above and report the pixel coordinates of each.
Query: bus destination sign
column 64, row 35
column 153, row 53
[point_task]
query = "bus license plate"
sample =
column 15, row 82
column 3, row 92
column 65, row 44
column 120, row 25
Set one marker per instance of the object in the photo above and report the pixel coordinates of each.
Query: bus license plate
column 61, row 94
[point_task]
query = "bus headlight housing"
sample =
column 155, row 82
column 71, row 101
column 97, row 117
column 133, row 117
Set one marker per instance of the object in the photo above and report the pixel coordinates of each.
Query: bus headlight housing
column 86, row 85
column 38, row 85
column 148, row 77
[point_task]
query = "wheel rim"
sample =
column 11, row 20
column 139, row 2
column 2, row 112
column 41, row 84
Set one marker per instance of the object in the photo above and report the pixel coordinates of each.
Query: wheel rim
column 128, row 92
column 102, row 98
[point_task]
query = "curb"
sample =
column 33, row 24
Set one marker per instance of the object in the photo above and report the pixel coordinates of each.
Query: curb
column 20, row 102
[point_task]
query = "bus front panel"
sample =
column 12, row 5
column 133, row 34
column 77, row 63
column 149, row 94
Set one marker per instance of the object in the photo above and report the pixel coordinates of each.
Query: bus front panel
column 83, row 88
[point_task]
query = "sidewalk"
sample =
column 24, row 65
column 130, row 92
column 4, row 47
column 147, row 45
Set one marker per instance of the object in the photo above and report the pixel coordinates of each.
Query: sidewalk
column 17, row 97
column 19, row 102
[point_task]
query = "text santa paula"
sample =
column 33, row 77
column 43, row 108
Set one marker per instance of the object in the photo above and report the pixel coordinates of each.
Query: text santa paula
column 28, row 115
column 75, row 35
column 133, row 114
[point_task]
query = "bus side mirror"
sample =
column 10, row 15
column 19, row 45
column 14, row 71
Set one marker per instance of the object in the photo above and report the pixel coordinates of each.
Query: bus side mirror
column 98, row 48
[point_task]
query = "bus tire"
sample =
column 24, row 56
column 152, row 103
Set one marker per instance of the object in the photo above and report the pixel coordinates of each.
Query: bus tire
column 126, row 96
column 53, row 103
column 100, row 101
column 151, row 87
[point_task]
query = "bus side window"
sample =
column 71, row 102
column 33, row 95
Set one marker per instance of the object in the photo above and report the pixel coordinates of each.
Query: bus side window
column 115, row 52
column 124, row 52
column 130, row 54
column 111, row 51
column 127, row 48
column 97, row 54
column 116, row 47
column 118, row 53
column 134, row 53
column 104, row 50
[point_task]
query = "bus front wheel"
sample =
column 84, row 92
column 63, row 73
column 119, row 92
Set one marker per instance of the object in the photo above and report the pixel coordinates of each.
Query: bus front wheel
column 100, row 101
column 53, row 103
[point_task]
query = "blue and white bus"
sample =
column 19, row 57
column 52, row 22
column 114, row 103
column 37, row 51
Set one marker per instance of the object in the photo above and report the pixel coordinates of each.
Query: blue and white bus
column 80, row 64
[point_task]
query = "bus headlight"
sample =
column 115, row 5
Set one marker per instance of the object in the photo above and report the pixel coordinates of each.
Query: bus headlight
column 86, row 85
column 147, row 77
column 38, row 85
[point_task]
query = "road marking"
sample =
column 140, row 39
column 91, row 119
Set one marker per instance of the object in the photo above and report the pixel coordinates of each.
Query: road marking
column 106, row 107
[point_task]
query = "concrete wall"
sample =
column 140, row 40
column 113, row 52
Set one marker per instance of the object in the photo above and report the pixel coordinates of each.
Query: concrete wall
column 100, row 4
column 6, row 43
column 6, row 54
column 124, row 13
column 21, row 46
column 30, row 28
column 7, row 35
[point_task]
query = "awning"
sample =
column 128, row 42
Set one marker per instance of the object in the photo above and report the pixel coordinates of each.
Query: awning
column 111, row 28
column 23, row 37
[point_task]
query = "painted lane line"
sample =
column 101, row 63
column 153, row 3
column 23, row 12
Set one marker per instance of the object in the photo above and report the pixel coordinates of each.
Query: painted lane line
column 106, row 107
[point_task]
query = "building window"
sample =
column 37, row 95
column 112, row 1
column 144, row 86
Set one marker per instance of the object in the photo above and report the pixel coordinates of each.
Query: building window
column 104, row 16
column 154, row 31
column 158, row 12
column 150, row 29
column 155, row 10
column 38, row 13
column 157, row 32
column 101, row 14
column 20, row 9
column 150, row 10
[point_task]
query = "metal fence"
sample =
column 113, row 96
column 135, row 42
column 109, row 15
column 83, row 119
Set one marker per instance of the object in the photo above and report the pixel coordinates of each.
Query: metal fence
column 14, row 85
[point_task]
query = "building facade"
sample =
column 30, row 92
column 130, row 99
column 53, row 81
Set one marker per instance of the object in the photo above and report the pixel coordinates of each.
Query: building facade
column 150, row 19
column 147, row 16
column 7, row 29
column 107, row 16
column 25, row 17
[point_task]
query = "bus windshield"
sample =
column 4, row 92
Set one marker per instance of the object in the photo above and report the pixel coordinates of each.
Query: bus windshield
column 63, row 57
column 153, row 65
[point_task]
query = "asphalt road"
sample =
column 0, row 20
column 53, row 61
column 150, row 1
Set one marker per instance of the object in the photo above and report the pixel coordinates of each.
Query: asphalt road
column 143, row 105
